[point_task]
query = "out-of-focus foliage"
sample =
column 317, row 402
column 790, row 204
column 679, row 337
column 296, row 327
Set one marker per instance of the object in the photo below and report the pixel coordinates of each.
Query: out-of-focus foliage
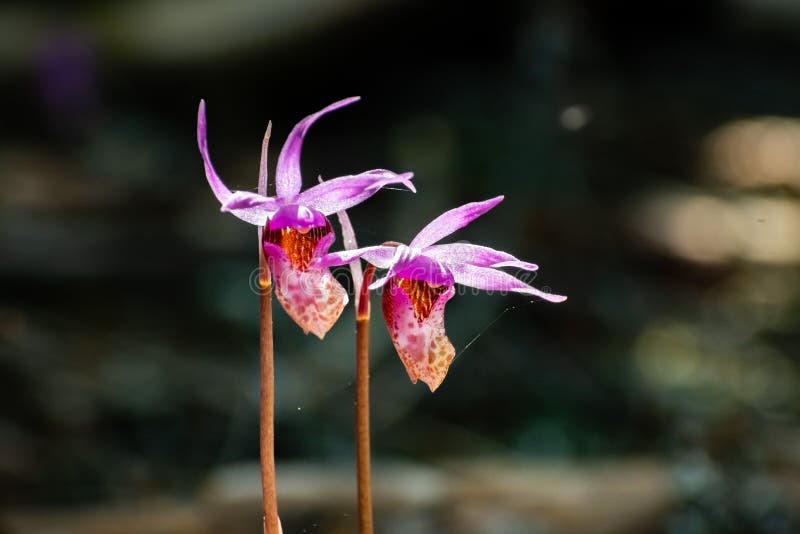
column 650, row 158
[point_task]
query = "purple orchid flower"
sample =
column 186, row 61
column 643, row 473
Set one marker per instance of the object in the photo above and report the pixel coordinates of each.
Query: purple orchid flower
column 421, row 278
column 296, row 230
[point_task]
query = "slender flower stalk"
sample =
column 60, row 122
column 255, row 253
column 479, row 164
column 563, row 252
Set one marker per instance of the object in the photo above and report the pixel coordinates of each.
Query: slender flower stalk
column 361, row 282
column 269, row 494
column 363, row 467
column 267, row 404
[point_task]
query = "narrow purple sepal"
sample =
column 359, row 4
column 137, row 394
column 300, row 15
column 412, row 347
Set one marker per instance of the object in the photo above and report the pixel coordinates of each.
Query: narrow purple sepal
column 288, row 179
column 450, row 221
column 245, row 200
column 477, row 255
column 519, row 264
column 220, row 190
column 493, row 280
column 345, row 192
column 380, row 256
column 241, row 204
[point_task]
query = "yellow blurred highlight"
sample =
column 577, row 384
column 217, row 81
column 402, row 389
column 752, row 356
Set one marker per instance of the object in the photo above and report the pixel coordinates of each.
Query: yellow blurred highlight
column 763, row 151
column 709, row 229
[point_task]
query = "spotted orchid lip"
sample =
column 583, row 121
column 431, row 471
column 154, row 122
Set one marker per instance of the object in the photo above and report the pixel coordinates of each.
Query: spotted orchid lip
column 414, row 314
column 311, row 296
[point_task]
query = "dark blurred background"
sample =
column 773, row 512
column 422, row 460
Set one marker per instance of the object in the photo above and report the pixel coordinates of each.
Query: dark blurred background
column 650, row 158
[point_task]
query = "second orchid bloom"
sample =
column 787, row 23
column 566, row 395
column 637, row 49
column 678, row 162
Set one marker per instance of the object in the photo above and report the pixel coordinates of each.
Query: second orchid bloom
column 421, row 278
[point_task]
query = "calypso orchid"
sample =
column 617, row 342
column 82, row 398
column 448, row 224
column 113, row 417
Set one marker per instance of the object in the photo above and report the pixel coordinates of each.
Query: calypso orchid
column 420, row 280
column 296, row 228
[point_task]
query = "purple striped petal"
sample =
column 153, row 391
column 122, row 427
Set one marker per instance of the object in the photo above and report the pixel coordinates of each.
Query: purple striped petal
column 288, row 179
column 245, row 200
column 477, row 255
column 220, row 191
column 380, row 256
column 239, row 204
column 345, row 192
column 493, row 280
column 450, row 221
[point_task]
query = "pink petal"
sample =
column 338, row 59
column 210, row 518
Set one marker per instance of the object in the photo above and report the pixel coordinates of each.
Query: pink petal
column 476, row 255
column 380, row 256
column 254, row 213
column 220, row 191
column 345, row 192
column 245, row 200
column 421, row 341
column 493, row 280
column 450, row 221
column 288, row 179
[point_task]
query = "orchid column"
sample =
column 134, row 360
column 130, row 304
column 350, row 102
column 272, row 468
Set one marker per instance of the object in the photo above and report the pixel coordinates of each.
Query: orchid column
column 294, row 232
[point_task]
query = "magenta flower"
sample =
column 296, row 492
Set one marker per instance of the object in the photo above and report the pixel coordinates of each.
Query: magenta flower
column 421, row 278
column 296, row 228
